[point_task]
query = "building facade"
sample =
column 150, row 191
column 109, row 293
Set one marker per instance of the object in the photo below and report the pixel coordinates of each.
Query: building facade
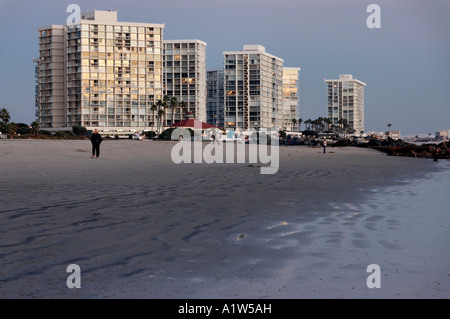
column 253, row 89
column 442, row 134
column 215, row 97
column 49, row 72
column 185, row 78
column 291, row 106
column 345, row 101
column 107, row 74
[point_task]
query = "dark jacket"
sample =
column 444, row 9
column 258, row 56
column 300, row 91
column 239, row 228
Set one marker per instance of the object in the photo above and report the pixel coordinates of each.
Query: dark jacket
column 96, row 139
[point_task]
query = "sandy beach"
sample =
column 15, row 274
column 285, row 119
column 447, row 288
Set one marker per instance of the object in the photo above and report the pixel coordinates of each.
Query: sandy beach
column 140, row 226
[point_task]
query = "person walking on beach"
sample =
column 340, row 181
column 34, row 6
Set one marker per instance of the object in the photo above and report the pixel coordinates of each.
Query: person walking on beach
column 436, row 153
column 324, row 146
column 96, row 139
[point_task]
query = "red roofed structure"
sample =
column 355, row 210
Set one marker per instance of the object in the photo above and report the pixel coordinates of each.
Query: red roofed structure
column 191, row 123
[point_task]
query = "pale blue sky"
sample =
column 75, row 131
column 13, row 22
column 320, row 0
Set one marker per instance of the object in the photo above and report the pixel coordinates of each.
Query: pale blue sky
column 405, row 64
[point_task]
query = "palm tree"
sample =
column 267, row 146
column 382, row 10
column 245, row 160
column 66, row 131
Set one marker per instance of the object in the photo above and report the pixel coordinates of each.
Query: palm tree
column 308, row 124
column 12, row 128
column 35, row 127
column 345, row 126
column 328, row 123
column 322, row 123
column 5, row 117
column 294, row 122
column 173, row 104
column 166, row 103
column 166, row 98
column 389, row 127
column 300, row 121
column 160, row 105
column 315, row 124
column 319, row 124
column 183, row 106
column 154, row 107
column 161, row 114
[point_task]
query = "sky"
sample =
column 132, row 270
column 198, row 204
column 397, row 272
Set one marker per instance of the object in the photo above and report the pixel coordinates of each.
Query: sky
column 405, row 63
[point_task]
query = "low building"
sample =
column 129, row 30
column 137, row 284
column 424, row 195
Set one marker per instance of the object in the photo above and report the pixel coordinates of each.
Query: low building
column 394, row 135
column 444, row 134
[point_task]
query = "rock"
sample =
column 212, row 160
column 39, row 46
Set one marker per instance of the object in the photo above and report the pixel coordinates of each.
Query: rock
column 424, row 154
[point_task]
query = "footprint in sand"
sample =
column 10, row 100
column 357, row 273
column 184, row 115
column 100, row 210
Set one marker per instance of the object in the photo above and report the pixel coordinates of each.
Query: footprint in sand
column 277, row 225
column 290, row 233
column 360, row 243
column 390, row 244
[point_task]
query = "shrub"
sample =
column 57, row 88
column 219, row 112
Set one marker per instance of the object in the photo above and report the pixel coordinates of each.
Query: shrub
column 44, row 132
column 79, row 130
column 150, row 134
column 167, row 134
column 23, row 128
column 64, row 134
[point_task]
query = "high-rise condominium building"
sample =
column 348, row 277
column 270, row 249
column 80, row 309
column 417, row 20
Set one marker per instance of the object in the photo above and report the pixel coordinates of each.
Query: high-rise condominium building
column 290, row 98
column 214, row 97
column 100, row 73
column 346, row 101
column 185, row 78
column 253, row 87
column 50, row 74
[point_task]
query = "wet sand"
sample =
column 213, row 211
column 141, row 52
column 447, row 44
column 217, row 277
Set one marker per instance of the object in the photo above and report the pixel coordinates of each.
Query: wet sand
column 140, row 226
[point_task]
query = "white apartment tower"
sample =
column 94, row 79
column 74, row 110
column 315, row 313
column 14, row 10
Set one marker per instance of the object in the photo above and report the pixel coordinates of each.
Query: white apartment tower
column 253, row 89
column 290, row 98
column 100, row 73
column 49, row 72
column 214, row 97
column 346, row 101
column 185, row 78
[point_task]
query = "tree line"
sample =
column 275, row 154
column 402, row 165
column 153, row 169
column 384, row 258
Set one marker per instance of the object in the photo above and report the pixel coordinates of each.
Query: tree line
column 159, row 110
column 7, row 127
column 161, row 106
column 322, row 124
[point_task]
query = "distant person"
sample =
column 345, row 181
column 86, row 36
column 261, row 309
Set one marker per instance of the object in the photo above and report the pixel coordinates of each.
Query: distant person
column 436, row 154
column 214, row 139
column 324, row 146
column 96, row 139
